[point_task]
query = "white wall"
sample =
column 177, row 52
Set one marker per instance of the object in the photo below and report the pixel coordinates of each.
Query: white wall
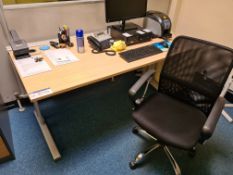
column 210, row 19
column 34, row 24
column 7, row 79
column 43, row 22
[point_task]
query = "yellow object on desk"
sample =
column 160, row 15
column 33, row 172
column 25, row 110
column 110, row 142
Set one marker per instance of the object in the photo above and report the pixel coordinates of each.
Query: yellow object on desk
column 118, row 46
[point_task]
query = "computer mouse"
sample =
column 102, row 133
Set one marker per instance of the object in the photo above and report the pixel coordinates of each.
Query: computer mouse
column 165, row 44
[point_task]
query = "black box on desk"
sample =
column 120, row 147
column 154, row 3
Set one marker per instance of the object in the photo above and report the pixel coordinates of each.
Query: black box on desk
column 132, row 36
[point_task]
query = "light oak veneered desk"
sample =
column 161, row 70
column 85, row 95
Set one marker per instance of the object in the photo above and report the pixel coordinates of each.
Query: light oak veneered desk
column 89, row 69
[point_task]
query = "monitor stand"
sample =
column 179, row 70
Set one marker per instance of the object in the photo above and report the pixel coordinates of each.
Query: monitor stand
column 124, row 27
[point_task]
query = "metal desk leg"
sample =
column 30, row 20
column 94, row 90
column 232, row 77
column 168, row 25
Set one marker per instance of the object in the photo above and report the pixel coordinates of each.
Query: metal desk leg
column 226, row 115
column 17, row 96
column 223, row 93
column 46, row 133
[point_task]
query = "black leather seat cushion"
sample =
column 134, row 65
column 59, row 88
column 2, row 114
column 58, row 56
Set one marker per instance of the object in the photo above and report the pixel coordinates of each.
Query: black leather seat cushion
column 172, row 122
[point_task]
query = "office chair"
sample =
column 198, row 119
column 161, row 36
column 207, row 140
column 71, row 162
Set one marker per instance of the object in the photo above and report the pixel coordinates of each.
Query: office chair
column 187, row 105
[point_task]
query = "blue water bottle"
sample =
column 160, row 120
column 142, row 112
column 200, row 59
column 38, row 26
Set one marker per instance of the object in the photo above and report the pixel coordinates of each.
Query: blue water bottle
column 80, row 41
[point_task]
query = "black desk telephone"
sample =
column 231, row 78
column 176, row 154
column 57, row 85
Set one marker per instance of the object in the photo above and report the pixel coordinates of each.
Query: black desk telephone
column 96, row 44
column 100, row 42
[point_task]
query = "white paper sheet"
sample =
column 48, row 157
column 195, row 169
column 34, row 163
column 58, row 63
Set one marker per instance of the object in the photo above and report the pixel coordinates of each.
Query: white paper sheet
column 61, row 56
column 28, row 66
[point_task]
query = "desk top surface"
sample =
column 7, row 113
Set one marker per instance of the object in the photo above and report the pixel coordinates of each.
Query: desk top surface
column 89, row 69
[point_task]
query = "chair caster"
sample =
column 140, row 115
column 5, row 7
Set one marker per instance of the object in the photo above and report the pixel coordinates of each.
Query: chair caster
column 132, row 165
column 135, row 130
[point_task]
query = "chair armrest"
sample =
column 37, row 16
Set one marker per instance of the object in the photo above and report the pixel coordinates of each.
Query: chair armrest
column 134, row 89
column 213, row 117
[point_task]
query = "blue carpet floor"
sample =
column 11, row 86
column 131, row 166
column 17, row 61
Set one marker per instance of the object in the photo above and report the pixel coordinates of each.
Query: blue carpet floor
column 92, row 128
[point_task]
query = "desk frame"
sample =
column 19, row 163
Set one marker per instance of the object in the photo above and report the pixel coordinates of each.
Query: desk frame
column 46, row 133
column 103, row 60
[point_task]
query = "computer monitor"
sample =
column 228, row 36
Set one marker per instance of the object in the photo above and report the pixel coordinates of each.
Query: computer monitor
column 122, row 10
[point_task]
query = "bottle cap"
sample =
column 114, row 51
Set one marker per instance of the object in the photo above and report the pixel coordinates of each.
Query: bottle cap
column 79, row 33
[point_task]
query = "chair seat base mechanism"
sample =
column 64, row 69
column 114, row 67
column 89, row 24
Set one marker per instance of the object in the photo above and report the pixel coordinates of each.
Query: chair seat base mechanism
column 142, row 133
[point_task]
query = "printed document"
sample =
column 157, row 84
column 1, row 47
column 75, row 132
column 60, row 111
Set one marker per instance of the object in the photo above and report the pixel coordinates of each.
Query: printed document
column 61, row 56
column 28, row 66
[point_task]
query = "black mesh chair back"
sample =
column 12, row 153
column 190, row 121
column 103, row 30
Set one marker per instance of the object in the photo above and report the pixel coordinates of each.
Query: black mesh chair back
column 193, row 72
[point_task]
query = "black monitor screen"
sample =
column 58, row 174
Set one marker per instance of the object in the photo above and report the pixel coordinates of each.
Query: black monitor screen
column 117, row 10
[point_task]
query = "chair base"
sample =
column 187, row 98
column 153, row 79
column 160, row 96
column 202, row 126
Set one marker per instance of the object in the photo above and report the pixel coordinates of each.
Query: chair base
column 226, row 115
column 141, row 156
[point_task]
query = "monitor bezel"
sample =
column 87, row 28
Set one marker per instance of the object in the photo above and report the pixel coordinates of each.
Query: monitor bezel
column 123, row 19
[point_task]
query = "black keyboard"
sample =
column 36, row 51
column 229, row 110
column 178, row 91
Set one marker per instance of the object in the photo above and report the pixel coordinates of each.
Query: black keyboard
column 138, row 53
